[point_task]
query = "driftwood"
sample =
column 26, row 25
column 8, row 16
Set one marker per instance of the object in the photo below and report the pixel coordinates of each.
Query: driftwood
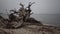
column 15, row 21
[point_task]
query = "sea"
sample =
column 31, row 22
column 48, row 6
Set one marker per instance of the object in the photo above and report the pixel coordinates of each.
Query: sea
column 48, row 19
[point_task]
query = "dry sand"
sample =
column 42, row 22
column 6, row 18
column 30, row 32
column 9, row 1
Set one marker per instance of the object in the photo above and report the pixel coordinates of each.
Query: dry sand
column 32, row 29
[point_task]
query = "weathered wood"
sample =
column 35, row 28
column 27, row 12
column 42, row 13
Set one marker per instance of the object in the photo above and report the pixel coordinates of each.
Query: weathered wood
column 17, row 24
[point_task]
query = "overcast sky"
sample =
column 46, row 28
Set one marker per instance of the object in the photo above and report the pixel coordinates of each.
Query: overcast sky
column 40, row 6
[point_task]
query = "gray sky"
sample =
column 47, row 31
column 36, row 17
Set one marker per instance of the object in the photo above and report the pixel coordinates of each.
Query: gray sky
column 40, row 6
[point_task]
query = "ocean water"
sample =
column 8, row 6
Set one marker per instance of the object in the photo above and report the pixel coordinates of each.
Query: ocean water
column 49, row 19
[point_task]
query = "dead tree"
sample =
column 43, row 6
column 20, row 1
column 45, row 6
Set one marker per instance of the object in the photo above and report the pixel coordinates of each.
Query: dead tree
column 22, row 12
column 28, row 11
column 25, row 13
column 29, row 5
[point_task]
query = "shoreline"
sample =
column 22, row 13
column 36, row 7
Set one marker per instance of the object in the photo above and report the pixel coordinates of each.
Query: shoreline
column 51, row 25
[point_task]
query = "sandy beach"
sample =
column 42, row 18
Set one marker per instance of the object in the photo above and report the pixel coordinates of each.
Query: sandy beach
column 32, row 29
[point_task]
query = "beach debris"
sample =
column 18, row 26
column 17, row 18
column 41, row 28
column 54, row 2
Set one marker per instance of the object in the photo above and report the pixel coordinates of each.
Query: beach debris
column 19, row 17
